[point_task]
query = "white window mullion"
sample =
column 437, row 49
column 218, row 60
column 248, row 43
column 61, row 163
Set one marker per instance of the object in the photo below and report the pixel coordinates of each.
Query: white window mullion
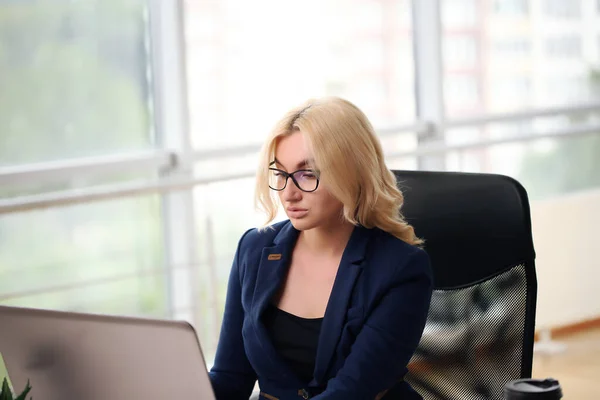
column 171, row 114
column 429, row 77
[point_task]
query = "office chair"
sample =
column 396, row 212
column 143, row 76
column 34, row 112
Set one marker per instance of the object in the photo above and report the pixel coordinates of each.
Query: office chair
column 480, row 328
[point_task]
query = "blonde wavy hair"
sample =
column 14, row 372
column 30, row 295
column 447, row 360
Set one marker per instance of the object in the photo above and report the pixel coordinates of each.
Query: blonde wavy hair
column 349, row 158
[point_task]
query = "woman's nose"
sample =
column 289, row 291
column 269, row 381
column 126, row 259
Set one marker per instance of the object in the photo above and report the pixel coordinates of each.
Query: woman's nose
column 291, row 192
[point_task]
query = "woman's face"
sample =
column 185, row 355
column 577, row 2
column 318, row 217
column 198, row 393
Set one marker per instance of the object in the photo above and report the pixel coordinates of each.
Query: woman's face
column 305, row 210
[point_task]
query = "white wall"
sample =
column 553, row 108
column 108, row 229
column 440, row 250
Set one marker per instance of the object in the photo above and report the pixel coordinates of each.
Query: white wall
column 566, row 235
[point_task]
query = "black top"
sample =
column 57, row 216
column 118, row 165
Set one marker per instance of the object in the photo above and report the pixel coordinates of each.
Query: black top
column 295, row 339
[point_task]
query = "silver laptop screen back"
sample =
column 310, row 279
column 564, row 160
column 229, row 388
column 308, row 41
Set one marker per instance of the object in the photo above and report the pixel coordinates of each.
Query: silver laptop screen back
column 93, row 357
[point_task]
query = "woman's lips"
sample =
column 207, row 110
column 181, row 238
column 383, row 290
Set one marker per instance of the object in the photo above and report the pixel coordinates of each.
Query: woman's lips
column 296, row 212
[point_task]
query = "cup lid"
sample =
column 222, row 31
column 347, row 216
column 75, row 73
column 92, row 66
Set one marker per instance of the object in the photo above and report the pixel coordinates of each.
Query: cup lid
column 529, row 389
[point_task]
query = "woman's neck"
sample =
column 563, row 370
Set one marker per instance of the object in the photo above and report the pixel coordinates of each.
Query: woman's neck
column 327, row 240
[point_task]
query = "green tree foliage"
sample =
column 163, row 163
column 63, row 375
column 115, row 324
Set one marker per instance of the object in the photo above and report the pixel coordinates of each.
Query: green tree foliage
column 73, row 79
column 74, row 82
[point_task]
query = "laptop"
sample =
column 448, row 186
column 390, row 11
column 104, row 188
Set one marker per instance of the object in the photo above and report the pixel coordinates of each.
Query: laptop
column 73, row 356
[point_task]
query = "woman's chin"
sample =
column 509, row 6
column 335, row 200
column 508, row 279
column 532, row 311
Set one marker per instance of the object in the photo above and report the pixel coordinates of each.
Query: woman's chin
column 301, row 224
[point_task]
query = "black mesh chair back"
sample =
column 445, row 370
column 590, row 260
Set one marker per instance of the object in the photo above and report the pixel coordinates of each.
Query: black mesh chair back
column 480, row 327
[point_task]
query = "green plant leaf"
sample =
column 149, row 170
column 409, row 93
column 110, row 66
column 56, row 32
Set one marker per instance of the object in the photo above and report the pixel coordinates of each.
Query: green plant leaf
column 23, row 395
column 5, row 392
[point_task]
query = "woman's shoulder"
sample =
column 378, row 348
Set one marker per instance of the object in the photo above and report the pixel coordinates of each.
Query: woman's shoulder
column 254, row 237
column 401, row 256
column 386, row 241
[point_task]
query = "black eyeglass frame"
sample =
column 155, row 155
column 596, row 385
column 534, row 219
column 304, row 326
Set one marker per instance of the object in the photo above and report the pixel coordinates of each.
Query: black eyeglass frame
column 288, row 175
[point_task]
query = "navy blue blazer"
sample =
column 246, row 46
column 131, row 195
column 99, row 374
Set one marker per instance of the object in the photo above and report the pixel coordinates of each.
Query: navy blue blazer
column 372, row 325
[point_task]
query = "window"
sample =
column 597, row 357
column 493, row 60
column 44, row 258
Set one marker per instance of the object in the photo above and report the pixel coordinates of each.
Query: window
column 74, row 79
column 567, row 9
column 460, row 51
column 75, row 82
column 253, row 52
column 459, row 13
column 513, row 89
column 370, row 55
column 461, row 90
column 368, row 16
column 102, row 257
column 511, row 7
column 512, row 47
column 567, row 88
column 505, row 50
column 563, row 47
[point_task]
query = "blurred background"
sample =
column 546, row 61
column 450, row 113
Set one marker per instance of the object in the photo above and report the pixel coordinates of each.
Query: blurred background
column 129, row 132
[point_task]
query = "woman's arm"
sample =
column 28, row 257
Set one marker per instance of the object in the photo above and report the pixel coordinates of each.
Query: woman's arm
column 232, row 376
column 389, row 337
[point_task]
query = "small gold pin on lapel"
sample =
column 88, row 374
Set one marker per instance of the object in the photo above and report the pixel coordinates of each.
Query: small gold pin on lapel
column 273, row 257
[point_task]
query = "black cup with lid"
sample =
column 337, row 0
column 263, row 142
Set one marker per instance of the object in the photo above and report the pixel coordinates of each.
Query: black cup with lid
column 533, row 389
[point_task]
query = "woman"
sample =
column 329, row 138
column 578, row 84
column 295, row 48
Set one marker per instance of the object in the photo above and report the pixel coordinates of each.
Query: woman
column 331, row 303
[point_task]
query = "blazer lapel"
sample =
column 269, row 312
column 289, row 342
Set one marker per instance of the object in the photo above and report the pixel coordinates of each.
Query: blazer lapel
column 274, row 263
column 273, row 267
column 335, row 313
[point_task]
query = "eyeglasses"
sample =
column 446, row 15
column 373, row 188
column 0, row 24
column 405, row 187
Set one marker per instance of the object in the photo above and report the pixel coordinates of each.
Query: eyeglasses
column 306, row 180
